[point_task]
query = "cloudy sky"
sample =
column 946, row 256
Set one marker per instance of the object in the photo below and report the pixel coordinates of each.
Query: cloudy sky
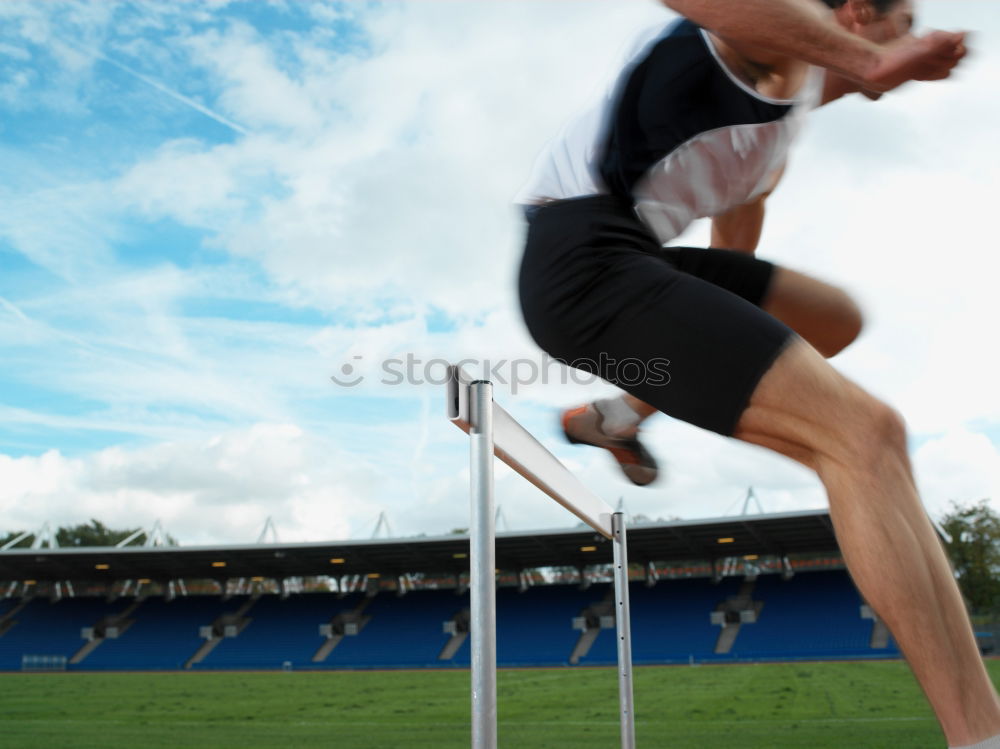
column 207, row 210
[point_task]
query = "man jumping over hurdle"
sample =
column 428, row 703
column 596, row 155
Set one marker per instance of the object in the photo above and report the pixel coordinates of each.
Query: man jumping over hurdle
column 698, row 124
column 822, row 314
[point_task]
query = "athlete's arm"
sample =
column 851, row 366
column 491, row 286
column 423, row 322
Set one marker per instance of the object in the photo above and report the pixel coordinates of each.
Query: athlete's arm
column 740, row 228
column 805, row 30
column 836, row 86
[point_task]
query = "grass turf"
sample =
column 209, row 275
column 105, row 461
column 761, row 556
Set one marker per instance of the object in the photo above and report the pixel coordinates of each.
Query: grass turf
column 774, row 706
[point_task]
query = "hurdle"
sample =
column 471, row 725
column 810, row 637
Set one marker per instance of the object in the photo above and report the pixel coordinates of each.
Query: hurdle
column 493, row 431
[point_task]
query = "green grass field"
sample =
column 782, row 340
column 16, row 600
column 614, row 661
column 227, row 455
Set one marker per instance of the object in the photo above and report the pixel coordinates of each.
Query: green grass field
column 814, row 705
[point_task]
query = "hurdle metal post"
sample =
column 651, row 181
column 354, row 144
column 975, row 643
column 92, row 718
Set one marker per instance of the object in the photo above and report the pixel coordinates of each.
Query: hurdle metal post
column 482, row 570
column 493, row 431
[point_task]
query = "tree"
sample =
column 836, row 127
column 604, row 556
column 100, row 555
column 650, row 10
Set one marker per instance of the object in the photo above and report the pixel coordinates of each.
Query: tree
column 94, row 533
column 22, row 544
column 975, row 552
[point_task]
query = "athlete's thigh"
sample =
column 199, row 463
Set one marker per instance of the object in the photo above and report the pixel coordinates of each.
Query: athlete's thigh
column 706, row 346
column 823, row 314
column 743, row 274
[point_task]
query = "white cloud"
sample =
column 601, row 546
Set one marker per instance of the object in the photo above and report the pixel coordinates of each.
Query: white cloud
column 393, row 171
column 958, row 466
column 254, row 89
column 219, row 489
column 62, row 228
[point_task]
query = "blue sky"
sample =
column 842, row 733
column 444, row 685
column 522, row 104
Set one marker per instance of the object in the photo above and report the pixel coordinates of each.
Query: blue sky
column 207, row 209
column 106, row 284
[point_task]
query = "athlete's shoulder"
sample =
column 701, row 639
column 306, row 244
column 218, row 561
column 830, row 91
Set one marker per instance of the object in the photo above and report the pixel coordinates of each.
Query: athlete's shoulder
column 677, row 57
column 678, row 44
column 677, row 32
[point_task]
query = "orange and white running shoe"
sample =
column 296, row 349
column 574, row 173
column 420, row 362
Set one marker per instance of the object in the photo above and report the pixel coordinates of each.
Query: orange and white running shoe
column 583, row 426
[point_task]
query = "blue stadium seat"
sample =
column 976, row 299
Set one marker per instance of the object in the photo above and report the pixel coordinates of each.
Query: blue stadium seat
column 164, row 635
column 670, row 622
column 44, row 627
column 404, row 632
column 812, row 615
column 280, row 630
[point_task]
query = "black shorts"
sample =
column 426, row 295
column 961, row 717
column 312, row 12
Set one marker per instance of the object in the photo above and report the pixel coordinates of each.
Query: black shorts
column 680, row 328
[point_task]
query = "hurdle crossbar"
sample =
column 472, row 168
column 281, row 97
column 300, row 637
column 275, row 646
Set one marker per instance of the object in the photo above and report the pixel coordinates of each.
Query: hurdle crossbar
column 494, row 432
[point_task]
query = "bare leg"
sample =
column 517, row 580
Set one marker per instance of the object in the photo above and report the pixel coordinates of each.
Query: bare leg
column 803, row 408
column 822, row 314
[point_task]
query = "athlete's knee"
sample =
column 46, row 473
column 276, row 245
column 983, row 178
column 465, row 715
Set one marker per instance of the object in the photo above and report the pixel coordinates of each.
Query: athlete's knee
column 806, row 410
column 887, row 428
column 870, row 433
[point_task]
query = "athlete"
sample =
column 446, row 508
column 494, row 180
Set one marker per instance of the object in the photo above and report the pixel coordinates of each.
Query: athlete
column 697, row 125
column 822, row 314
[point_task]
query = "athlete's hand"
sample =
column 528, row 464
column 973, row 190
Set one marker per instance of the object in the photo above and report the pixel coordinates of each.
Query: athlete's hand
column 911, row 58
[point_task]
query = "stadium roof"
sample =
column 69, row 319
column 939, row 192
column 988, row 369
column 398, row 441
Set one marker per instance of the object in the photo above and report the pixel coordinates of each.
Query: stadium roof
column 702, row 540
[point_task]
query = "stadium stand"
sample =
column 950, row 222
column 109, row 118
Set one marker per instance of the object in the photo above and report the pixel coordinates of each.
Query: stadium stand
column 746, row 587
column 814, row 615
